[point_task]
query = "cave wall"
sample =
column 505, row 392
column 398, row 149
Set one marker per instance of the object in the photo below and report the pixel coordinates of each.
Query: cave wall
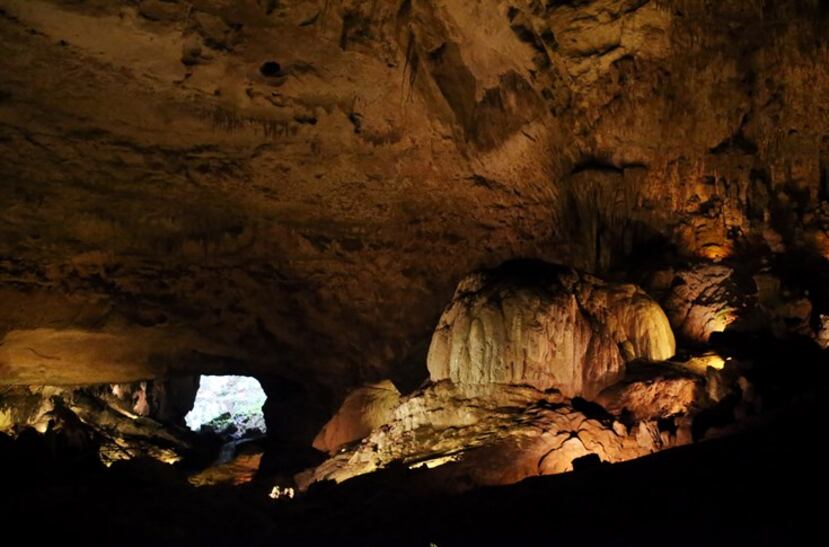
column 293, row 189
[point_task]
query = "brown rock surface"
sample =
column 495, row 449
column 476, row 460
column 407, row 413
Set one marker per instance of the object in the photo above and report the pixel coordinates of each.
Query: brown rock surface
column 294, row 189
column 702, row 301
column 654, row 392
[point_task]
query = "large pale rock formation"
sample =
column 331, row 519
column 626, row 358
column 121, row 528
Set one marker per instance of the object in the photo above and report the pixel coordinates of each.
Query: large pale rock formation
column 539, row 325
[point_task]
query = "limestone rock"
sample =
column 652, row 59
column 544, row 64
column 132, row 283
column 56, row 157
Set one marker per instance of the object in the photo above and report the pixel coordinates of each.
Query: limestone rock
column 702, row 301
column 706, row 298
column 363, row 410
column 103, row 416
column 489, row 434
column 654, row 392
column 535, row 324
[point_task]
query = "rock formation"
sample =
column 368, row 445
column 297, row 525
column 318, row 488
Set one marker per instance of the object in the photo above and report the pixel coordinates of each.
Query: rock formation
column 703, row 299
column 363, row 410
column 117, row 422
column 534, row 324
column 653, row 392
column 293, row 189
column 493, row 434
column 512, row 348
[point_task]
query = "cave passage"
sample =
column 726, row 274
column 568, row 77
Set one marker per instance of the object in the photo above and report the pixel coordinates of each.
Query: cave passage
column 230, row 406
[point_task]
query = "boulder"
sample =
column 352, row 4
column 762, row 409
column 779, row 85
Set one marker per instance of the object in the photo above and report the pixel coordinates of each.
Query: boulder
column 547, row 327
column 363, row 410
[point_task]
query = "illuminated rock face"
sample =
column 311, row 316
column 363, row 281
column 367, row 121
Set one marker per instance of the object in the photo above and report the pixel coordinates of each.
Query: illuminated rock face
column 493, row 434
column 363, row 410
column 529, row 323
column 508, row 335
column 704, row 299
column 653, row 392
column 105, row 423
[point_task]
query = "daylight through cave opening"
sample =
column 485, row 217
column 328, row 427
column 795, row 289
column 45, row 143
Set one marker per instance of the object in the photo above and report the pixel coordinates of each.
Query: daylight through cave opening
column 230, row 406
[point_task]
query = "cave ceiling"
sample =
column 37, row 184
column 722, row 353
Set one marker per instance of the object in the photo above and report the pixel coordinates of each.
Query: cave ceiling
column 294, row 188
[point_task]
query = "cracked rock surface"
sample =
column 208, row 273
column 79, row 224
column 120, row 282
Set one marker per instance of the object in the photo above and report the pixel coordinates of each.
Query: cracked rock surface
column 493, row 434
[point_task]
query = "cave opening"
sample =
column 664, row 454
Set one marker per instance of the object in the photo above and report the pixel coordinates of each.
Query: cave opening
column 229, row 407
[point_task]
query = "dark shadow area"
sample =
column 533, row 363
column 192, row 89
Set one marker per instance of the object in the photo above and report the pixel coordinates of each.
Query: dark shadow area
column 750, row 489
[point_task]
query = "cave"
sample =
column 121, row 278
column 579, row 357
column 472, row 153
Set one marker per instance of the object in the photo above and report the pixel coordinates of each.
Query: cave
column 413, row 272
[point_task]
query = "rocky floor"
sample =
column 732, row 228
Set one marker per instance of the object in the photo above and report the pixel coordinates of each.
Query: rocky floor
column 756, row 488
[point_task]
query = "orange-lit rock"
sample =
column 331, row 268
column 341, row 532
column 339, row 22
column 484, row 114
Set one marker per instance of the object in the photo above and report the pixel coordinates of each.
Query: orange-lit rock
column 240, row 469
column 547, row 327
column 654, row 392
column 490, row 434
column 702, row 301
column 364, row 409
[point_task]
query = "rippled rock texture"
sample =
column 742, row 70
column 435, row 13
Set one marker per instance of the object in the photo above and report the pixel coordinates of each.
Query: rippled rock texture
column 510, row 360
column 547, row 327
